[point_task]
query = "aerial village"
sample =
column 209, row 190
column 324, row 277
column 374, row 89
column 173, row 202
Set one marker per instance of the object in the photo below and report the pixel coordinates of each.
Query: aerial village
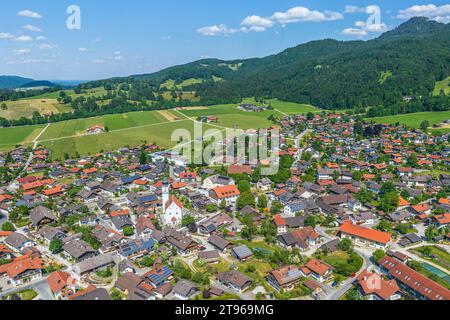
column 357, row 211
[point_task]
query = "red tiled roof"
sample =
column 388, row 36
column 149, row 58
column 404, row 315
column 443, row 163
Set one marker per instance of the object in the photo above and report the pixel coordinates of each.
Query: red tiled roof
column 372, row 283
column 365, row 233
column 317, row 266
column 226, row 191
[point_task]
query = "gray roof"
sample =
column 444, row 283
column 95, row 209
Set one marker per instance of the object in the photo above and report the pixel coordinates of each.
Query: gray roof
column 16, row 240
column 242, row 252
column 93, row 263
column 77, row 247
column 95, row 295
column 40, row 213
column 219, row 242
column 185, row 288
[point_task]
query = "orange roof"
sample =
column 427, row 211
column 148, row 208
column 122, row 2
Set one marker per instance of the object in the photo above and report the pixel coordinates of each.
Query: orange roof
column 444, row 201
column 17, row 267
column 53, row 191
column 421, row 208
column 175, row 200
column 82, row 292
column 178, row 185
column 384, row 288
column 443, row 218
column 141, row 182
column 226, row 191
column 91, row 170
column 403, row 202
column 5, row 233
column 124, row 212
column 369, row 176
column 58, row 280
column 4, row 197
column 317, row 266
column 365, row 233
column 279, row 221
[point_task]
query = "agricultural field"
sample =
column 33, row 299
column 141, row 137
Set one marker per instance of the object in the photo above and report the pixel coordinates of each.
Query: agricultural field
column 414, row 120
column 158, row 133
column 10, row 137
column 442, row 85
column 291, row 108
column 26, row 107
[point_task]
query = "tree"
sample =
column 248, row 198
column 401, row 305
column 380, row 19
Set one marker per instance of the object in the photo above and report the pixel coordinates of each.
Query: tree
column 310, row 116
column 262, row 201
column 430, row 233
column 311, row 221
column 378, row 255
column 245, row 199
column 387, row 187
column 384, row 226
column 345, row 245
column 143, row 157
column 128, row 231
column 211, row 208
column 7, row 226
column 389, row 202
column 424, row 125
column 56, row 246
column 244, row 186
column 187, row 220
column 4, row 106
column 256, row 175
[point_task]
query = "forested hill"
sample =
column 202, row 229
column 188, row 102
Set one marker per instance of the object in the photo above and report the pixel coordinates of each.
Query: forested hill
column 10, row 82
column 327, row 73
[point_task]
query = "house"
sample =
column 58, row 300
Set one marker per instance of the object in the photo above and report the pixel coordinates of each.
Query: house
column 159, row 276
column 184, row 244
column 242, row 253
column 136, row 248
column 219, row 242
column 48, row 233
column 331, row 246
column 442, row 220
column 284, row 278
column 217, row 181
column 94, row 294
column 18, row 241
column 372, row 286
column 95, row 129
column 264, row 185
column 185, row 290
column 412, row 282
column 210, row 257
column 62, row 284
column 77, row 248
column 121, row 221
column 363, row 218
column 135, row 287
column 22, row 270
column 229, row 194
column 42, row 215
column 281, row 224
column 293, row 208
column 364, row 236
column 93, row 264
column 320, row 270
column 409, row 240
column 234, row 280
column 300, row 238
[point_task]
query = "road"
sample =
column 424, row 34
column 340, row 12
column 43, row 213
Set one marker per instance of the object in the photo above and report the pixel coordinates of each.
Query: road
column 40, row 286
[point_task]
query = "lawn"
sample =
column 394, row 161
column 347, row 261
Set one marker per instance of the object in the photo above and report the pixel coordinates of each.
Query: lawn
column 341, row 262
column 435, row 255
column 25, row 108
column 442, row 85
column 292, row 108
column 27, row 295
column 160, row 134
column 18, row 135
column 113, row 122
column 414, row 120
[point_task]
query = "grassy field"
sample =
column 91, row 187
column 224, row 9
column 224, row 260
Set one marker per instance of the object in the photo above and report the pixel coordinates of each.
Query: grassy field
column 414, row 120
column 292, row 108
column 9, row 137
column 442, row 85
column 437, row 256
column 25, row 108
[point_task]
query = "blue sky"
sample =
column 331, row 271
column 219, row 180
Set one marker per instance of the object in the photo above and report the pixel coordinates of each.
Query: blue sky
column 119, row 38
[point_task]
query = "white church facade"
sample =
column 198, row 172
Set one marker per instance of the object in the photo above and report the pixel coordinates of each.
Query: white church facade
column 173, row 208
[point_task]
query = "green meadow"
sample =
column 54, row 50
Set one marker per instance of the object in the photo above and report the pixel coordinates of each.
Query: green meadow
column 414, row 120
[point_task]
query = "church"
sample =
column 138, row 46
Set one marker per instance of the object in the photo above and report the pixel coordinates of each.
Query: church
column 173, row 208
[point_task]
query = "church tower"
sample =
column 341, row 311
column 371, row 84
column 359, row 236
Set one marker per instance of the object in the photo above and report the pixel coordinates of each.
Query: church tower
column 165, row 194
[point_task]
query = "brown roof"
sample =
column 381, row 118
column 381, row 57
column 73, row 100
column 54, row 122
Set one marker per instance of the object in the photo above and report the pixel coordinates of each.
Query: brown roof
column 317, row 266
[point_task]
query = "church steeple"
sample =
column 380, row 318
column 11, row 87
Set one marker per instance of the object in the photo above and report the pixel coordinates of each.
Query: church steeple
column 165, row 193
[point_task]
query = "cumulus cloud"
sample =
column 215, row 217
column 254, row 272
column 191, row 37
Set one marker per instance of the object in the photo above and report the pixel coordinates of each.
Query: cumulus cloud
column 256, row 23
column 217, row 29
column 302, row 14
column 437, row 13
column 29, row 14
column 40, row 38
column 355, row 32
column 32, row 28
column 362, row 29
column 5, row 35
column 23, row 38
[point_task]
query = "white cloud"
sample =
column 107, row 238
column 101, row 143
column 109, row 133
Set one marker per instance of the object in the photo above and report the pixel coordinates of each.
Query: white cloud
column 46, row 46
column 118, row 58
column 32, row 28
column 355, row 9
column 82, row 49
column 257, row 21
column 218, row 29
column 23, row 38
column 5, row 35
column 117, row 53
column 355, row 32
column 302, row 14
column 437, row 13
column 363, row 29
column 29, row 14
column 40, row 38
column 21, row 51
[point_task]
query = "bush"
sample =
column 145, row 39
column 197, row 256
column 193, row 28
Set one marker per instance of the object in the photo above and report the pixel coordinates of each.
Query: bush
column 128, row 231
